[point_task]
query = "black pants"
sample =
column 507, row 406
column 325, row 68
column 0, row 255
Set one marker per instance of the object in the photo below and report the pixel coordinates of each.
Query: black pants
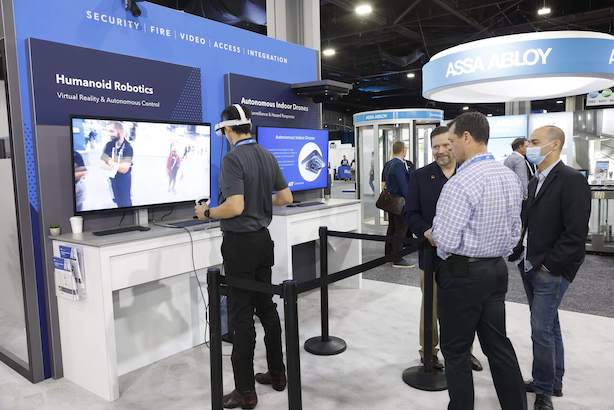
column 472, row 299
column 396, row 235
column 250, row 256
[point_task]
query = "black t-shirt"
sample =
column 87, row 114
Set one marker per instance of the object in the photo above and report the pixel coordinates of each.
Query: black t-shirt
column 77, row 160
column 120, row 154
column 253, row 172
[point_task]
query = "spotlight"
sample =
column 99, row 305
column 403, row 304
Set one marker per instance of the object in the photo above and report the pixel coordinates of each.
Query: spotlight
column 544, row 11
column 411, row 75
column 363, row 9
column 465, row 108
column 131, row 6
column 329, row 52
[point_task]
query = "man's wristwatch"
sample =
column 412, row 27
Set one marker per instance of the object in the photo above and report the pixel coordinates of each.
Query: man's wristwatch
column 207, row 213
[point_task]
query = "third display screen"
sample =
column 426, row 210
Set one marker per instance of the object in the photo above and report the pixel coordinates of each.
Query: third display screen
column 302, row 155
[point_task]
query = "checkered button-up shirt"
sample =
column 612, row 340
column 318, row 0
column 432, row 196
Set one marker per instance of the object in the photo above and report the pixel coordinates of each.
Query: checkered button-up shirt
column 478, row 212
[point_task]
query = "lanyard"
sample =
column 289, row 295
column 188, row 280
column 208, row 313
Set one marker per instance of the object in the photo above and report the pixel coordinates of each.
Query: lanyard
column 245, row 142
column 475, row 160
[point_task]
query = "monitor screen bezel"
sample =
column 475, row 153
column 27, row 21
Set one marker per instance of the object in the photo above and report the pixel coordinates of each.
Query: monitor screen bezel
column 124, row 119
column 301, row 128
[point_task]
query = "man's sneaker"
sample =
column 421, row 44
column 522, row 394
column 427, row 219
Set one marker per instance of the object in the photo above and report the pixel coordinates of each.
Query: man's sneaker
column 402, row 264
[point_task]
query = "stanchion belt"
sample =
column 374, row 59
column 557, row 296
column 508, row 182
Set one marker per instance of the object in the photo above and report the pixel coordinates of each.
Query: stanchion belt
column 366, row 236
column 252, row 285
column 346, row 273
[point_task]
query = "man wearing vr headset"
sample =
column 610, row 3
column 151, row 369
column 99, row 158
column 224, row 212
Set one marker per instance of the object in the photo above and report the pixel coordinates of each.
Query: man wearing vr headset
column 248, row 177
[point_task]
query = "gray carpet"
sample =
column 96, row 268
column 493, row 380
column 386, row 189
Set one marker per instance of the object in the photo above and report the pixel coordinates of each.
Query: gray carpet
column 591, row 292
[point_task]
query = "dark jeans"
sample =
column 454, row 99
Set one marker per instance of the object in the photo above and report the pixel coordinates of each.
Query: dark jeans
column 471, row 298
column 250, row 256
column 396, row 234
column 545, row 292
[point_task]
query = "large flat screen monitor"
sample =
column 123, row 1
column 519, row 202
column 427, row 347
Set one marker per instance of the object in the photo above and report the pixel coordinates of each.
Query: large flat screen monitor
column 122, row 164
column 302, row 155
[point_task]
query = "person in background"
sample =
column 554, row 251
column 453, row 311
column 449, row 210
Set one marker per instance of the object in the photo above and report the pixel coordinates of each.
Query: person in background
column 555, row 221
column 249, row 175
column 396, row 175
column 117, row 159
column 80, row 173
column 517, row 162
column 425, row 187
column 173, row 163
column 476, row 224
column 345, row 162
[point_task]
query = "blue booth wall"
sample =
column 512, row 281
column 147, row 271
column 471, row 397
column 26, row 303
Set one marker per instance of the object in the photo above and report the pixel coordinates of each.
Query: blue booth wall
column 159, row 34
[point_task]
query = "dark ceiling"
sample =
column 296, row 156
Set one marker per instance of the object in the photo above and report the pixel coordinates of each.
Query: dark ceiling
column 376, row 52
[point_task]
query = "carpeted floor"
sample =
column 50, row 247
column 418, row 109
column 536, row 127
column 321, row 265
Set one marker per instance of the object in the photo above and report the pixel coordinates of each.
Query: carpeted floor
column 591, row 292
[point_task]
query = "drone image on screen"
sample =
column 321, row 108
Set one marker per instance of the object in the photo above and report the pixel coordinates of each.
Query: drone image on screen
column 313, row 162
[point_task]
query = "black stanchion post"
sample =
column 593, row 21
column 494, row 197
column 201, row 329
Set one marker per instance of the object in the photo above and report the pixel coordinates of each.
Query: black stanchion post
column 292, row 350
column 215, row 331
column 426, row 377
column 325, row 345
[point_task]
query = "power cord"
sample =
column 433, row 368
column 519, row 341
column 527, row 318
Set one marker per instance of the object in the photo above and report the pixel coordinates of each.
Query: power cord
column 200, row 285
column 168, row 213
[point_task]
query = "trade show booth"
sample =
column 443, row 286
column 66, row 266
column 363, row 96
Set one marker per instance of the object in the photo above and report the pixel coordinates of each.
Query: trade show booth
column 376, row 131
column 115, row 113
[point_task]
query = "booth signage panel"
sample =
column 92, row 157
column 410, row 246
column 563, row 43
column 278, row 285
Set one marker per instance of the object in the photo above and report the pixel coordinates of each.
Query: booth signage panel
column 159, row 34
column 508, row 126
column 600, row 98
column 531, row 58
column 70, row 80
column 435, row 115
column 273, row 103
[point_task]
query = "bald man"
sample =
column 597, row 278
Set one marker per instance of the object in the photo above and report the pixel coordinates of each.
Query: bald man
column 555, row 228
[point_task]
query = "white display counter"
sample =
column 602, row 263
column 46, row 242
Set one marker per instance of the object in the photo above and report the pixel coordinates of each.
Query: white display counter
column 143, row 303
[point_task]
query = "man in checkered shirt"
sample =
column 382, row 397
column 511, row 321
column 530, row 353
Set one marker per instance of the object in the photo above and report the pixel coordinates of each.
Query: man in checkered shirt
column 477, row 224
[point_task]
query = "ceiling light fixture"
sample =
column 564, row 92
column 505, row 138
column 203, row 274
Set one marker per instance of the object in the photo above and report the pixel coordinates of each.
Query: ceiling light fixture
column 559, row 102
column 363, row 9
column 465, row 108
column 489, row 115
column 544, row 11
column 411, row 75
column 329, row 52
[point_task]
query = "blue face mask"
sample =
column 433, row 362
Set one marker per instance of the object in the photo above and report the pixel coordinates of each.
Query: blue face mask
column 534, row 155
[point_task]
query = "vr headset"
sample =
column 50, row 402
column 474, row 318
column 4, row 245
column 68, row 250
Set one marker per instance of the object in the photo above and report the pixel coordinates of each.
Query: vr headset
column 243, row 120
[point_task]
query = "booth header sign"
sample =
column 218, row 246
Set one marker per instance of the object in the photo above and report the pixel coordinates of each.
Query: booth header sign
column 483, row 62
column 418, row 114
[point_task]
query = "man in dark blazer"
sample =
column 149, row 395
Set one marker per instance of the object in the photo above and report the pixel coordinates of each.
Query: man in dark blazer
column 551, row 250
column 396, row 174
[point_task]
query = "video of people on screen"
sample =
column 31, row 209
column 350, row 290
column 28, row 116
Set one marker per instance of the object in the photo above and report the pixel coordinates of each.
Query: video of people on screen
column 123, row 164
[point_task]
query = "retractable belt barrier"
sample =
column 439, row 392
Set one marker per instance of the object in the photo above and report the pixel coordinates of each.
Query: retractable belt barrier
column 321, row 345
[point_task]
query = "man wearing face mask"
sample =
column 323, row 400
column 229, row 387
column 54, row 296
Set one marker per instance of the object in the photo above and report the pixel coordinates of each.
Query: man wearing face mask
column 248, row 177
column 476, row 224
column 552, row 247
column 424, row 189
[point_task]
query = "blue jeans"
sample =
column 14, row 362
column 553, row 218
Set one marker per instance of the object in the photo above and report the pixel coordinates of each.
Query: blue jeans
column 545, row 292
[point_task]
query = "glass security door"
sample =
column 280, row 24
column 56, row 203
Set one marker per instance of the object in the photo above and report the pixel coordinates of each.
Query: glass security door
column 422, row 141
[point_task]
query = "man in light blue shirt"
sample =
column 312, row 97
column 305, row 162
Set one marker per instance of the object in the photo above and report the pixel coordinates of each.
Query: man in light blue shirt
column 477, row 223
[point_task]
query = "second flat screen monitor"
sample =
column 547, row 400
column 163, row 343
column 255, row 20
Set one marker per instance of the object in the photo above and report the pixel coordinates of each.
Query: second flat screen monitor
column 302, row 155
column 127, row 164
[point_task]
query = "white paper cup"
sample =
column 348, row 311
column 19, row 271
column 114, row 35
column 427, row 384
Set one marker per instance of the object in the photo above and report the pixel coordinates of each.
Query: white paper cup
column 76, row 224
